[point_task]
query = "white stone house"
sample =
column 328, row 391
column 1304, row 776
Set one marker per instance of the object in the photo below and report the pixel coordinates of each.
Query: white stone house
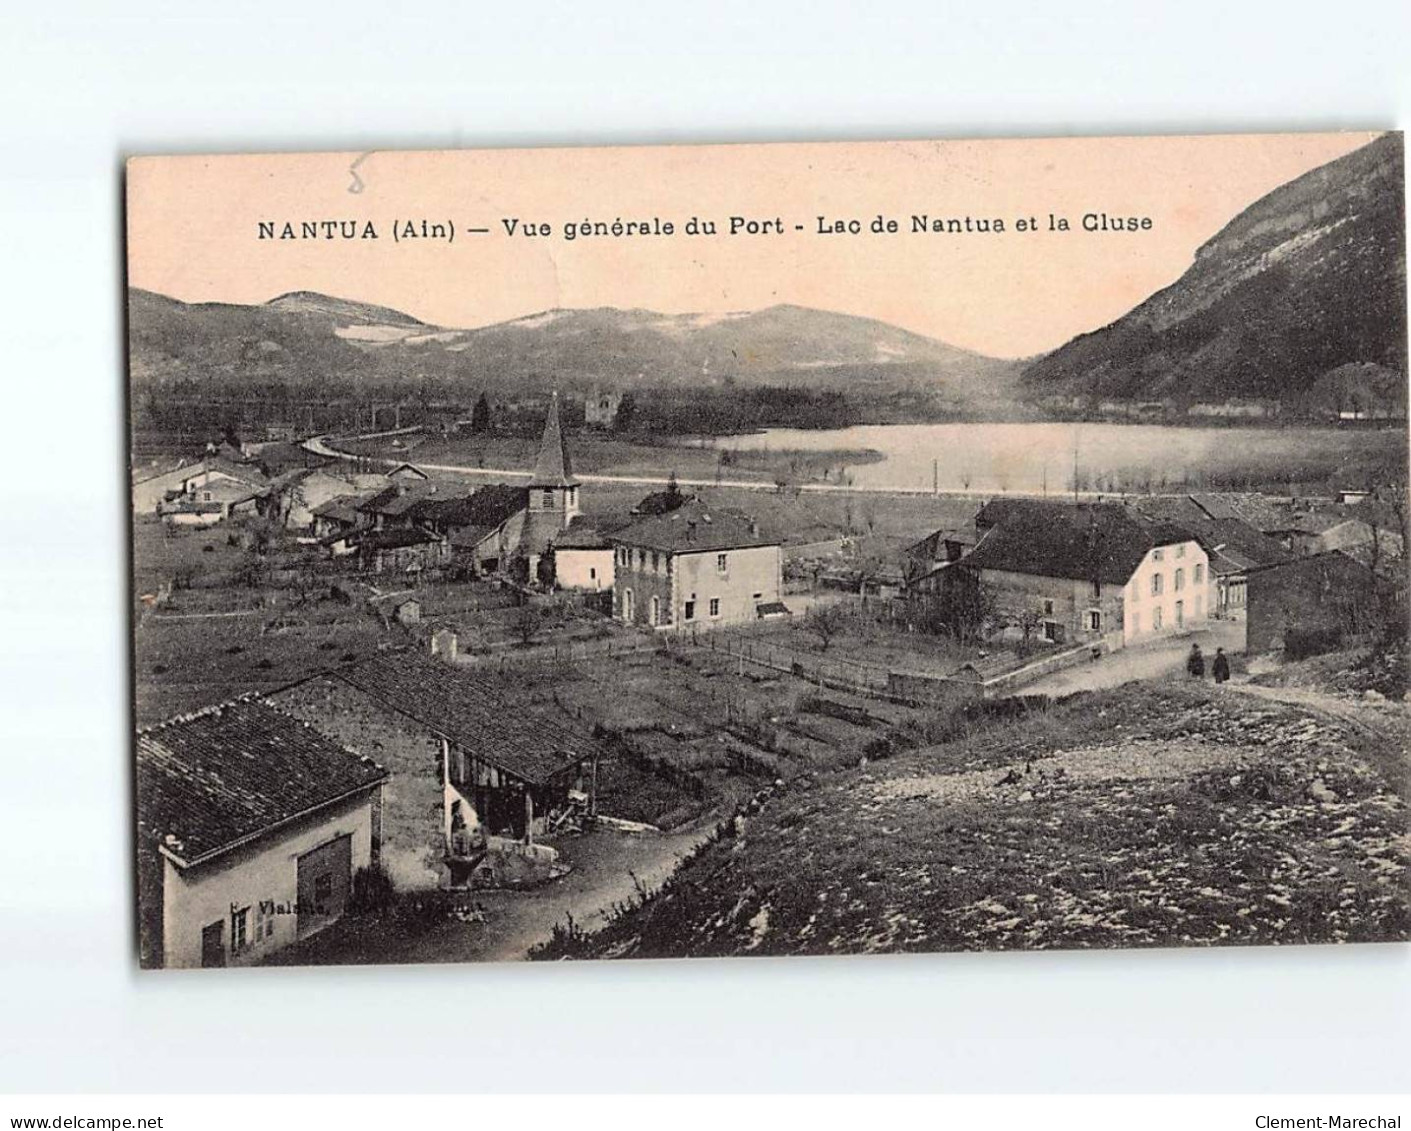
column 250, row 828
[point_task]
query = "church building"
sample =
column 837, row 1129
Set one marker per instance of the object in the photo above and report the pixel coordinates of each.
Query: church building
column 553, row 494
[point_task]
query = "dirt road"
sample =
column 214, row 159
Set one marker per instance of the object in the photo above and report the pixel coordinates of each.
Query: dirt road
column 609, row 869
column 1158, row 658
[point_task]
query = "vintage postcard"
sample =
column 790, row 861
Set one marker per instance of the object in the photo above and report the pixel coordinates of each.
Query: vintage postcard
column 769, row 549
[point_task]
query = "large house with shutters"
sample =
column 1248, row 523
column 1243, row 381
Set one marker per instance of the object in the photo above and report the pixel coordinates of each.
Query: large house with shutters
column 250, row 828
column 1087, row 573
column 695, row 567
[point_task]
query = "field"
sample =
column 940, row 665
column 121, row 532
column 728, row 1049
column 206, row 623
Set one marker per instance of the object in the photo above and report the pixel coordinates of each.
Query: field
column 1152, row 815
column 227, row 629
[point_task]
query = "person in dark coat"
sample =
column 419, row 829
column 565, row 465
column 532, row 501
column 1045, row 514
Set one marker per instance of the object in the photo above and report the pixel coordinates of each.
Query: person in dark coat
column 1221, row 667
column 1195, row 662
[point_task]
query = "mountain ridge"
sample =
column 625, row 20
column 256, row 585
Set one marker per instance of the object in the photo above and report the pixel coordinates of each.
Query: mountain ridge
column 1307, row 279
column 297, row 336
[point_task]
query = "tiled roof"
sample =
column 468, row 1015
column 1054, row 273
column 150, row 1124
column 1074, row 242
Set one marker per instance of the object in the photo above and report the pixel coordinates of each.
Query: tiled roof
column 489, row 506
column 483, row 720
column 394, row 498
column 1260, row 512
column 1084, row 541
column 408, row 502
column 209, row 781
column 343, row 509
column 579, row 537
column 1231, row 543
column 693, row 528
column 247, row 472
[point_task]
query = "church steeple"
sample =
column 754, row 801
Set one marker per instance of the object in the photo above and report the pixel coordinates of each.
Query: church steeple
column 553, row 487
column 553, row 468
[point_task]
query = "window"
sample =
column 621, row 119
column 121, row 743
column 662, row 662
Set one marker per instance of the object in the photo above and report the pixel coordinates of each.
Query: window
column 758, row 597
column 1095, row 590
column 690, row 610
column 1156, row 585
column 1094, row 620
column 720, row 563
column 1181, row 550
column 239, row 921
column 1180, row 580
column 715, row 606
column 1157, row 555
column 656, row 562
column 1156, row 619
column 592, row 573
column 264, row 922
column 1048, row 608
column 1199, row 574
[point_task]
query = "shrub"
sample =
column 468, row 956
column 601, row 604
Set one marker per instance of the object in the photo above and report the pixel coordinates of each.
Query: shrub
column 373, row 890
column 1300, row 643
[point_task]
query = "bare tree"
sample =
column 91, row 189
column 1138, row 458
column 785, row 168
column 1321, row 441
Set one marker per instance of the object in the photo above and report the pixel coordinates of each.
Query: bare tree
column 826, row 622
column 525, row 623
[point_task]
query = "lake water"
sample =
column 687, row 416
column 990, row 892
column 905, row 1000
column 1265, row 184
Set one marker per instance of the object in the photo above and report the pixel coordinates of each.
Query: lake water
column 1033, row 458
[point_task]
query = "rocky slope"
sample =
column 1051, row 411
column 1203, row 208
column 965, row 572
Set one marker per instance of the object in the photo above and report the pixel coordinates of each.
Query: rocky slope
column 1308, row 279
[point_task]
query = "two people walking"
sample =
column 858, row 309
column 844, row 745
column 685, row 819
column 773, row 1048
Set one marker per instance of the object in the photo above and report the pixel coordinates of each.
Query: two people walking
column 1195, row 664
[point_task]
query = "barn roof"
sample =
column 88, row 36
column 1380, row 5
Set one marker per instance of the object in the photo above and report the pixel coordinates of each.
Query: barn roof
column 482, row 719
column 210, row 781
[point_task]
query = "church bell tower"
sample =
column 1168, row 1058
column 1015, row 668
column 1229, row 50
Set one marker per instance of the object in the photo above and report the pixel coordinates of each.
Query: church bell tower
column 553, row 491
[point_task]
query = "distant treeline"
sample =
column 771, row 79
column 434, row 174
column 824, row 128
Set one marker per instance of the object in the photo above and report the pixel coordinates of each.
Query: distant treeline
column 729, row 410
column 181, row 408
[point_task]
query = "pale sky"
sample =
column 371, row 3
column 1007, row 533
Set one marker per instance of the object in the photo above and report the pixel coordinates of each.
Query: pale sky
column 193, row 225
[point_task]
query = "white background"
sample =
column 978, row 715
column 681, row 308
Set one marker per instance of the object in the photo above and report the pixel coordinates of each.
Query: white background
column 84, row 85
